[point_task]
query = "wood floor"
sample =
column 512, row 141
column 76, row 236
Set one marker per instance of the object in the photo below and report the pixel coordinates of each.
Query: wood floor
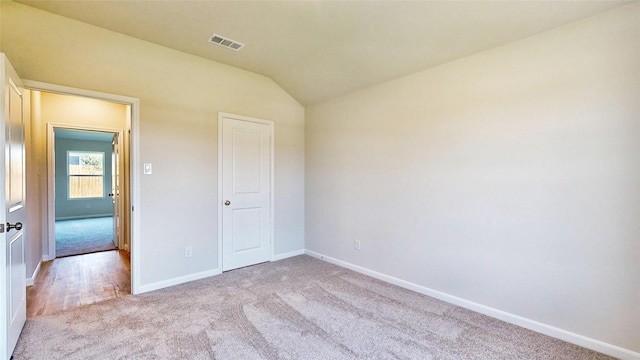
column 74, row 281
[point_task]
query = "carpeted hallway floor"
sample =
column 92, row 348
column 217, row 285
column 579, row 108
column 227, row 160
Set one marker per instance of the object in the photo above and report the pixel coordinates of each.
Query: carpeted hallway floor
column 297, row 308
column 83, row 236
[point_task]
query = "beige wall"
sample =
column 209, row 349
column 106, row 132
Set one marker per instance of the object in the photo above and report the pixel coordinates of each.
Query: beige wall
column 67, row 110
column 510, row 178
column 1, row 6
column 180, row 97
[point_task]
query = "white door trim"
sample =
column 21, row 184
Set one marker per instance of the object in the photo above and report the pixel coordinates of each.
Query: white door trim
column 222, row 115
column 134, row 154
column 51, row 178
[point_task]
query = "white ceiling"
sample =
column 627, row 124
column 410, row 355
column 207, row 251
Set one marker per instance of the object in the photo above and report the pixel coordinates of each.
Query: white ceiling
column 317, row 50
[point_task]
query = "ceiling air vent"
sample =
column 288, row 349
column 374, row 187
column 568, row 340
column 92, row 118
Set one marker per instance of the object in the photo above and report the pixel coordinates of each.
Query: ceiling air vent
column 225, row 42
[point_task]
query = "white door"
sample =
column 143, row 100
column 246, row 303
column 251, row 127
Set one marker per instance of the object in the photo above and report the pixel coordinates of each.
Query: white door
column 115, row 190
column 12, row 163
column 247, row 178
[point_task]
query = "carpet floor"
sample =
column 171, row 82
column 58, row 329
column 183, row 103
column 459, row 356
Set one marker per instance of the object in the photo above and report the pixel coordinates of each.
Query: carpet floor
column 83, row 236
column 297, row 308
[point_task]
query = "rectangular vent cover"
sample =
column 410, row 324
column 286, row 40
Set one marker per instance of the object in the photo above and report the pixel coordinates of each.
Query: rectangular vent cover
column 225, row 42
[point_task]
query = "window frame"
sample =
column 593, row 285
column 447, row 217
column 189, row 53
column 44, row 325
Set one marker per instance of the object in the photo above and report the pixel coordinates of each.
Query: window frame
column 69, row 175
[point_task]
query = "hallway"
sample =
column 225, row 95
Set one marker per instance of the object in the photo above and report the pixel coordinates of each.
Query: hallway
column 75, row 281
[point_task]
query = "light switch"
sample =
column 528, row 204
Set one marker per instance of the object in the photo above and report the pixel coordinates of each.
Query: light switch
column 147, row 168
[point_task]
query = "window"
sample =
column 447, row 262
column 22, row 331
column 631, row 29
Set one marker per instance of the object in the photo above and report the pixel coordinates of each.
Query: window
column 86, row 174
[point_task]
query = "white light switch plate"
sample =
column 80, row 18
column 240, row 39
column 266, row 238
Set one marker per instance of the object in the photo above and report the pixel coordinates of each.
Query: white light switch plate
column 147, row 168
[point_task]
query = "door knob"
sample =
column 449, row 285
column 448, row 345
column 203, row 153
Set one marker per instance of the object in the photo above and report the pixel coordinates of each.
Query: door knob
column 227, row 202
column 17, row 226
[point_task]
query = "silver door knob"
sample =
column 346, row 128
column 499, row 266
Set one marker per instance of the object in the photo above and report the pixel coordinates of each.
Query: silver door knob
column 227, row 202
column 17, row 226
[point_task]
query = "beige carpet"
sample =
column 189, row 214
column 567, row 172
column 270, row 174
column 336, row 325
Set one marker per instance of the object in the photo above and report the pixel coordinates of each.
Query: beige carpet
column 298, row 308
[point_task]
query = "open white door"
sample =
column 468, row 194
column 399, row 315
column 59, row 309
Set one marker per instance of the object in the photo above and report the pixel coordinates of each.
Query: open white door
column 247, row 178
column 12, row 194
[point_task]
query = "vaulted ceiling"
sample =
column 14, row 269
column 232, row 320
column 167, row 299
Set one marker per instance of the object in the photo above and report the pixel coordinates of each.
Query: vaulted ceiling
column 317, row 50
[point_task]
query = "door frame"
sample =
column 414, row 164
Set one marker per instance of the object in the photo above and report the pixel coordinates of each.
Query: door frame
column 134, row 161
column 271, row 124
column 51, row 178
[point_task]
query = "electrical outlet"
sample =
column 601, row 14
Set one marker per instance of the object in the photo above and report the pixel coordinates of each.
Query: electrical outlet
column 188, row 251
column 356, row 244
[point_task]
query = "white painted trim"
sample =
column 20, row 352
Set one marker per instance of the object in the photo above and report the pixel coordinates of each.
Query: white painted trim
column 134, row 196
column 67, row 90
column 32, row 279
column 134, row 156
column 545, row 329
column 51, row 185
column 178, row 280
column 219, row 199
column 271, row 124
column 204, row 274
column 287, row 255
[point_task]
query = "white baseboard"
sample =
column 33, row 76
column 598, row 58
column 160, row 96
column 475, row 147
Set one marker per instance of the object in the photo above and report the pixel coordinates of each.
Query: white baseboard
column 201, row 275
column 545, row 329
column 48, row 257
column 177, row 280
column 32, row 279
column 287, row 255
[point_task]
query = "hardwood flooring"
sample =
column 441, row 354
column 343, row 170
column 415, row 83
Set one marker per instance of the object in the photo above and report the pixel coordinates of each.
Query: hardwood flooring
column 74, row 281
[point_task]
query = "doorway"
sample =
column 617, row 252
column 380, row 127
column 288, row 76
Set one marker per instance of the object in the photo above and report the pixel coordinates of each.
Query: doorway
column 81, row 141
column 114, row 269
column 87, row 194
column 84, row 203
column 130, row 171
